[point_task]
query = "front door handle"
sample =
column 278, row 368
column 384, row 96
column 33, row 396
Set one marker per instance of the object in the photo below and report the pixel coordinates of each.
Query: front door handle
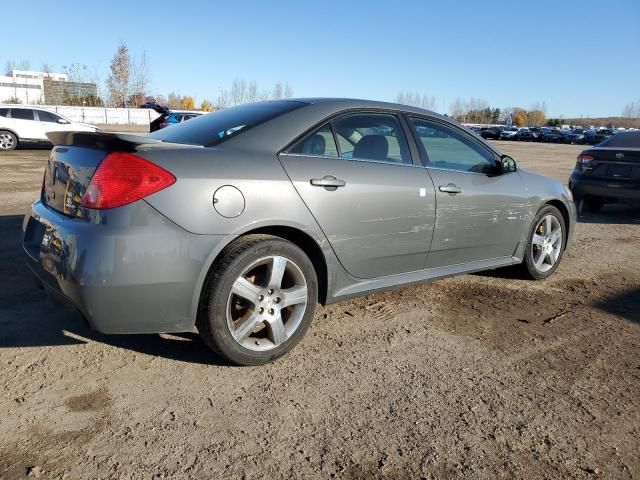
column 328, row 181
column 450, row 189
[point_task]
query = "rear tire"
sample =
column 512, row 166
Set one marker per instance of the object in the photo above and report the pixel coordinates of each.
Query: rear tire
column 8, row 141
column 259, row 300
column 546, row 243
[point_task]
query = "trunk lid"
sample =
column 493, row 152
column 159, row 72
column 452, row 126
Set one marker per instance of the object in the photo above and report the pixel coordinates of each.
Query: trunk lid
column 612, row 162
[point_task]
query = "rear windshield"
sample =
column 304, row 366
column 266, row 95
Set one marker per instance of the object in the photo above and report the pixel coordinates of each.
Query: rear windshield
column 623, row 140
column 214, row 128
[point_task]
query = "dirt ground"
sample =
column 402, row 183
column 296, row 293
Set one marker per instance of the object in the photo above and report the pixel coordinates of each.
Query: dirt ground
column 481, row 376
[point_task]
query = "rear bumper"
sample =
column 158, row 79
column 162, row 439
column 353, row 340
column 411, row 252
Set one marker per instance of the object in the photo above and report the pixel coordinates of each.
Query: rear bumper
column 611, row 189
column 135, row 273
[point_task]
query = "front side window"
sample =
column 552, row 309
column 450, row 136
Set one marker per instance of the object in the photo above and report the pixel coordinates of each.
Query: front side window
column 320, row 142
column 47, row 116
column 4, row 112
column 372, row 136
column 22, row 113
column 450, row 149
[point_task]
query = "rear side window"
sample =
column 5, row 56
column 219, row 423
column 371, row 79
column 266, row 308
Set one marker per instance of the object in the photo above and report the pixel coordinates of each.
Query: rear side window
column 623, row 140
column 4, row 112
column 372, row 136
column 22, row 113
column 320, row 142
column 449, row 149
column 217, row 127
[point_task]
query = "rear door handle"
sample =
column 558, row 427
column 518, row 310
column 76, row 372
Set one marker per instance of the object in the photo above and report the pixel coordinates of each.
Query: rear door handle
column 328, row 181
column 450, row 188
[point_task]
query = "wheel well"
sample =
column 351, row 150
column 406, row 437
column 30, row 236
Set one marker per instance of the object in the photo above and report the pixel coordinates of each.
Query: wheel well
column 565, row 215
column 303, row 241
column 3, row 129
column 309, row 246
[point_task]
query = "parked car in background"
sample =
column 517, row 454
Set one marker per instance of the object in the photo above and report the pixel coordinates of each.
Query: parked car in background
column 593, row 137
column 23, row 125
column 240, row 221
column 608, row 173
column 509, row 133
column 167, row 117
column 553, row 136
column 574, row 137
column 490, row 133
column 524, row 135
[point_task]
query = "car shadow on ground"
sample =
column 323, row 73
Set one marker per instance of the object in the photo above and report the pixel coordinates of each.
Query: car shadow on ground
column 624, row 304
column 29, row 319
column 613, row 214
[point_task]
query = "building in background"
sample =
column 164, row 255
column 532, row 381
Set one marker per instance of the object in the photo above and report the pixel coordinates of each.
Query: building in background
column 29, row 87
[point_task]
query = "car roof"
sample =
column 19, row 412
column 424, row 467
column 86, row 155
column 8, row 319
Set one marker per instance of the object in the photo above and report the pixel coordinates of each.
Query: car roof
column 347, row 103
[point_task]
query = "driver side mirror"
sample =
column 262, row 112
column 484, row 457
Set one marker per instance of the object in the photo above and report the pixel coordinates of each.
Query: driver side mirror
column 507, row 164
column 62, row 121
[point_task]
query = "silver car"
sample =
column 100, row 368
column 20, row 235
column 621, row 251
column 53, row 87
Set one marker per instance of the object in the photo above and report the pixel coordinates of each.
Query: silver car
column 239, row 222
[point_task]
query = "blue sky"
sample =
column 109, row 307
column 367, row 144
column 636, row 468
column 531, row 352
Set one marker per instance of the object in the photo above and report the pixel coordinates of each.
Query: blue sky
column 580, row 57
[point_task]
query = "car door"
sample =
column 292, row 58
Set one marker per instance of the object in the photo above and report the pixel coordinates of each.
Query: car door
column 24, row 122
column 374, row 204
column 480, row 214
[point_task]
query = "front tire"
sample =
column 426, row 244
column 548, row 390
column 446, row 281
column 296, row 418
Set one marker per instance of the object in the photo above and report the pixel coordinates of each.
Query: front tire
column 8, row 141
column 259, row 300
column 546, row 244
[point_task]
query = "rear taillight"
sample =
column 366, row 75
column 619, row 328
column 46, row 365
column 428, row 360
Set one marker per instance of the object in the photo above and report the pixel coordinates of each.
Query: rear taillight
column 584, row 162
column 164, row 124
column 123, row 178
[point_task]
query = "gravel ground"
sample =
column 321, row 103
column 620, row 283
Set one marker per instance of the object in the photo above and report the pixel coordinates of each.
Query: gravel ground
column 481, row 376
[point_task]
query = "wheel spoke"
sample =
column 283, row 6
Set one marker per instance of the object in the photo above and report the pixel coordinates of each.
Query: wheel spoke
column 540, row 261
column 547, row 225
column 247, row 290
column 278, row 266
column 538, row 239
column 294, row 296
column 246, row 327
column 277, row 332
column 555, row 236
column 553, row 256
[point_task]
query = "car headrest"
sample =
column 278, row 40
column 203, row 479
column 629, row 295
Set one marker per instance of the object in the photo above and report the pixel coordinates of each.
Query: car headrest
column 375, row 147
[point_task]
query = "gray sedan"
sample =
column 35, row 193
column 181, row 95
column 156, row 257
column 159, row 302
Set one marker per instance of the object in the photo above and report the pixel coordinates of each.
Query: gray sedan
column 239, row 222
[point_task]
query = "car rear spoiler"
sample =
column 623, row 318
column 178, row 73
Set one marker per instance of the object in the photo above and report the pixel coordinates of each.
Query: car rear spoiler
column 101, row 140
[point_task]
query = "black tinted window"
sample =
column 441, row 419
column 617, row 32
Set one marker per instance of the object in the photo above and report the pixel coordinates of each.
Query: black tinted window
column 623, row 140
column 371, row 136
column 4, row 112
column 47, row 116
column 320, row 142
column 214, row 128
column 450, row 149
column 22, row 113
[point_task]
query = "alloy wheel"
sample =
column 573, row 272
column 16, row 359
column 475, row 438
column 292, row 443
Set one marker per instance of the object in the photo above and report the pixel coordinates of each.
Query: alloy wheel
column 7, row 141
column 267, row 303
column 546, row 243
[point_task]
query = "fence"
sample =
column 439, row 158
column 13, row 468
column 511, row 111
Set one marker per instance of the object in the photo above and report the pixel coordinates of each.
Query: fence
column 106, row 116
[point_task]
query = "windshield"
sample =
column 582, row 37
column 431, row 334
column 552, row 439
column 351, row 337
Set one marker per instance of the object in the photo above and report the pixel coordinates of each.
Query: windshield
column 214, row 128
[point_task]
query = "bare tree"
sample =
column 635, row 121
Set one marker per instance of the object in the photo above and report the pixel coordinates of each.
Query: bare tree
column 277, row 91
column 416, row 100
column 252, row 92
column 238, row 94
column 288, row 91
column 632, row 110
column 458, row 109
column 140, row 77
column 119, row 80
